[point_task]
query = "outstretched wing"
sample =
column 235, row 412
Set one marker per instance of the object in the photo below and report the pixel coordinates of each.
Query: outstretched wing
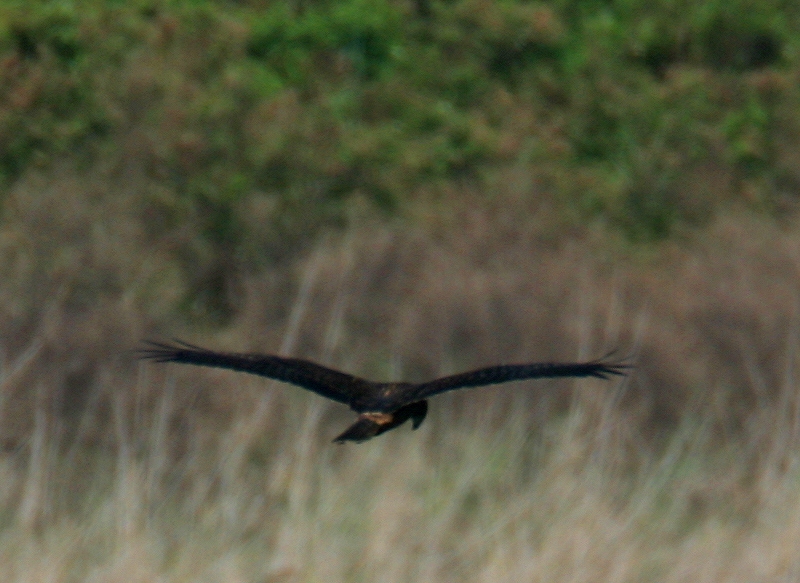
column 325, row 381
column 515, row 372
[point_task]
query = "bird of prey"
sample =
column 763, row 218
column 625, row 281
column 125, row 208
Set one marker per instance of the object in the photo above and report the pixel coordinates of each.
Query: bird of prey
column 380, row 406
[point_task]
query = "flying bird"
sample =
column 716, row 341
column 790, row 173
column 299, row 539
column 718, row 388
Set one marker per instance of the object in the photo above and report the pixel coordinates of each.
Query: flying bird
column 380, row 406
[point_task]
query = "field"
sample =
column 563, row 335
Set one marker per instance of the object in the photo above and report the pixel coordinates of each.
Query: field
column 400, row 190
column 452, row 503
column 173, row 474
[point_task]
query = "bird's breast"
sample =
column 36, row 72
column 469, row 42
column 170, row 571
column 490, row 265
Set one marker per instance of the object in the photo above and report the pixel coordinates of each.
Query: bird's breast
column 386, row 398
column 378, row 418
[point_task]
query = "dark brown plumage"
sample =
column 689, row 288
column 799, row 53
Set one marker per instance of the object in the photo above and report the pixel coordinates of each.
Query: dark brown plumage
column 381, row 406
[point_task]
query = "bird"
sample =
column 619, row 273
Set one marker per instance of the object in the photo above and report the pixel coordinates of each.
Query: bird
column 381, row 406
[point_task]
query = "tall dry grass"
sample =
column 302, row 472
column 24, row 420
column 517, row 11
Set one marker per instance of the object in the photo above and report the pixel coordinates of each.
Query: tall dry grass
column 478, row 497
column 112, row 470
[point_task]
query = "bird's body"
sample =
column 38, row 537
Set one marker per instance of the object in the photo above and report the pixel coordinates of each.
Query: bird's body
column 381, row 406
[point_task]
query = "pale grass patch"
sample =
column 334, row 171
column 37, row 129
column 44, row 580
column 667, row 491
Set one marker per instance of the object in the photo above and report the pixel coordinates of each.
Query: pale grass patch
column 536, row 485
column 451, row 502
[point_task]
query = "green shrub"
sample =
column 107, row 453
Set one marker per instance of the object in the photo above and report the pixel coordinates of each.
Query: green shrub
column 306, row 110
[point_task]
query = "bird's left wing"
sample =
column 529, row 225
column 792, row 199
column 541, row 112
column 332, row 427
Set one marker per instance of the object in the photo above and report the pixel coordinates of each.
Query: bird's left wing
column 514, row 372
column 325, row 381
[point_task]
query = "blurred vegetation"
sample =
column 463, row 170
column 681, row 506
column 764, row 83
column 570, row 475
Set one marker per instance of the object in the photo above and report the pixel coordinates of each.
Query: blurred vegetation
column 400, row 189
column 247, row 128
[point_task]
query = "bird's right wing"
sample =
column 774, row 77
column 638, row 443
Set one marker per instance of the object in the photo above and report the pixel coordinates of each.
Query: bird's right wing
column 513, row 372
column 325, row 381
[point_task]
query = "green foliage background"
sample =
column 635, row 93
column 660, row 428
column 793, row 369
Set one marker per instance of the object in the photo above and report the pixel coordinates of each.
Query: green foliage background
column 247, row 128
